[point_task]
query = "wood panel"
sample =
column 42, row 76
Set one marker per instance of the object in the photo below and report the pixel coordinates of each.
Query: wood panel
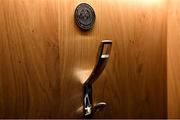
column 134, row 82
column 45, row 58
column 29, row 59
column 173, row 59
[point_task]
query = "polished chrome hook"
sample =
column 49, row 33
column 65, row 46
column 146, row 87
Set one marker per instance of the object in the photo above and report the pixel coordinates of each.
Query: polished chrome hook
column 102, row 58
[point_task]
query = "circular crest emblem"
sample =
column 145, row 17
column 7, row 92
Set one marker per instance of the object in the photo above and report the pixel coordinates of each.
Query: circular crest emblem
column 84, row 16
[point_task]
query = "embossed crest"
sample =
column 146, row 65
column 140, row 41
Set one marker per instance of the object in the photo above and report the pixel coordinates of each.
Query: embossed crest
column 84, row 16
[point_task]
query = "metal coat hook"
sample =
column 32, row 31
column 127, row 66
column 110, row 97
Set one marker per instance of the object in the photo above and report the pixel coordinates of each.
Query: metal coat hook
column 102, row 59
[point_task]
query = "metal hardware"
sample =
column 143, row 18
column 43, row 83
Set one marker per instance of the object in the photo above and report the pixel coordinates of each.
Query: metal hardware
column 99, row 106
column 102, row 59
column 84, row 16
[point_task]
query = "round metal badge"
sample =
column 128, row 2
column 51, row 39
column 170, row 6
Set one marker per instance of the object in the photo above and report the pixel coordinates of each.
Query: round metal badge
column 84, row 16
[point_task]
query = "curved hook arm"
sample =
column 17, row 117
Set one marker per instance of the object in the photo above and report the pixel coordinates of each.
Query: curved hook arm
column 102, row 58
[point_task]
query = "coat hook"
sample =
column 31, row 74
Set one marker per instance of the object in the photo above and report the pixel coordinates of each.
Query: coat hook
column 102, row 59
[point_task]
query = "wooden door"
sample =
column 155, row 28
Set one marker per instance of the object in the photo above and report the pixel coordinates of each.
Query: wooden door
column 45, row 58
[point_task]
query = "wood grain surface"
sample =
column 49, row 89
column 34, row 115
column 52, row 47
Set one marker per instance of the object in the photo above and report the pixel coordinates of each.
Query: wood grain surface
column 173, row 59
column 45, row 58
column 29, row 59
column 134, row 82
